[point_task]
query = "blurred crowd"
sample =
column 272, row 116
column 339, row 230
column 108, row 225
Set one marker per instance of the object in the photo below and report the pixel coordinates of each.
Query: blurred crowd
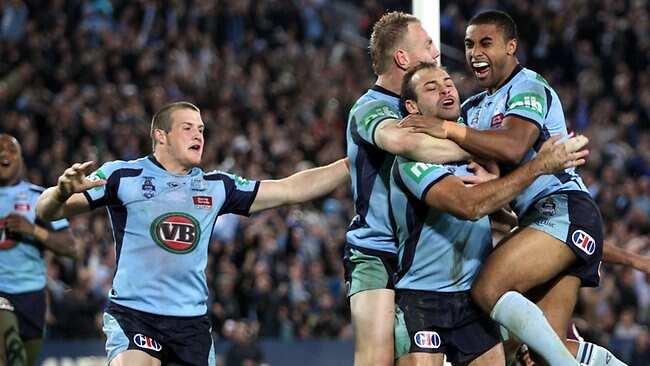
column 275, row 79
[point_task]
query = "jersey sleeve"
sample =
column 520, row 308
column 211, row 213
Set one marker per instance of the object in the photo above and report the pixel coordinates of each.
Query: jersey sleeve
column 239, row 192
column 417, row 177
column 367, row 117
column 105, row 195
column 528, row 100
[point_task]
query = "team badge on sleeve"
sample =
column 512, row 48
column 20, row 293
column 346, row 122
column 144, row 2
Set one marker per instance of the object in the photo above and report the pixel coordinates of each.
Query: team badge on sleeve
column 529, row 102
column 96, row 175
column 418, row 170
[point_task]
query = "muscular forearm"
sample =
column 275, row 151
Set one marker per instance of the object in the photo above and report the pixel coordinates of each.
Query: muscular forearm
column 301, row 187
column 49, row 205
column 313, row 183
column 500, row 144
column 615, row 255
column 436, row 151
column 474, row 202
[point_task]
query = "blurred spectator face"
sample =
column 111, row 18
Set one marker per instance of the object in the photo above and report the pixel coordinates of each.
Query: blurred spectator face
column 419, row 45
column 185, row 139
column 488, row 54
column 10, row 160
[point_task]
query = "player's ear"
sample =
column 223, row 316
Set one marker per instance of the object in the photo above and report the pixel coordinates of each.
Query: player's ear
column 512, row 47
column 401, row 59
column 412, row 107
column 160, row 136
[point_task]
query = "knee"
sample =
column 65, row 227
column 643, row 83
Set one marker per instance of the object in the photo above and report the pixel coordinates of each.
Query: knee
column 486, row 294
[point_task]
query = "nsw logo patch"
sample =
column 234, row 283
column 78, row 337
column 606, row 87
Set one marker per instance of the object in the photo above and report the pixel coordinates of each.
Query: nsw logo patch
column 176, row 232
column 427, row 339
column 584, row 241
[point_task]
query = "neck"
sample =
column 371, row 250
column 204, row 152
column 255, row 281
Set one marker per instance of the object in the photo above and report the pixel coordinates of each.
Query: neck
column 171, row 164
column 507, row 73
column 391, row 80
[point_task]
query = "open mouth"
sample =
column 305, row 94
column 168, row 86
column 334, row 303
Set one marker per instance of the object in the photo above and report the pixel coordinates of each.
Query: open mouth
column 5, row 163
column 196, row 147
column 481, row 68
column 448, row 102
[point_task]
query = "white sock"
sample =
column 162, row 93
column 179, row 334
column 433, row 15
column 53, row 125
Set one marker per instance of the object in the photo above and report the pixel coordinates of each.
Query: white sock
column 526, row 321
column 594, row 355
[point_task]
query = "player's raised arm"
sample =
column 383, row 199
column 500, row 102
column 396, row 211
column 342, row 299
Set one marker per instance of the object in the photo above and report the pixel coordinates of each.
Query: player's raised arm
column 302, row 186
column 65, row 199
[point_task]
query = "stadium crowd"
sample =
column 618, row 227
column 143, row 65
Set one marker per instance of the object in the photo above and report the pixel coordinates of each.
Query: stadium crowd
column 79, row 80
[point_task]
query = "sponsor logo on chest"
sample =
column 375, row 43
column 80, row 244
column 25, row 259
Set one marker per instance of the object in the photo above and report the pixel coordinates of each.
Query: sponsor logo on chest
column 202, row 202
column 176, row 232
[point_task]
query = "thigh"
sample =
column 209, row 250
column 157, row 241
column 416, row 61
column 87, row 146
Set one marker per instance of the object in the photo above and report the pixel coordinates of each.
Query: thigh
column 421, row 359
column 373, row 319
column 134, row 357
column 527, row 259
column 495, row 356
column 368, row 270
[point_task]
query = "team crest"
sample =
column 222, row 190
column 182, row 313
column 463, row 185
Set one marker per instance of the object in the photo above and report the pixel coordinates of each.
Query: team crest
column 148, row 189
column 427, row 339
column 176, row 232
column 198, row 184
column 548, row 208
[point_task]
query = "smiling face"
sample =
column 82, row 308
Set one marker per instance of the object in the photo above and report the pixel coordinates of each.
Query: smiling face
column 180, row 149
column 489, row 55
column 436, row 94
column 11, row 160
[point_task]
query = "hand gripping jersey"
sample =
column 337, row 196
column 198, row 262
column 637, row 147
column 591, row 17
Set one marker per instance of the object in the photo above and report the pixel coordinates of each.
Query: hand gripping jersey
column 437, row 251
column 162, row 223
column 21, row 266
column 528, row 96
column 370, row 171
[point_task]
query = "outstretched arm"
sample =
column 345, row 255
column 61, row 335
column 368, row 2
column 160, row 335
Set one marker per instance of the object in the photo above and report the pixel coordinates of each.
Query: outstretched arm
column 66, row 199
column 417, row 146
column 615, row 255
column 301, row 187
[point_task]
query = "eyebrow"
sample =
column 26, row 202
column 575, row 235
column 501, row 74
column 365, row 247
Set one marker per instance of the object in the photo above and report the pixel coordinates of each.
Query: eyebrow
column 446, row 78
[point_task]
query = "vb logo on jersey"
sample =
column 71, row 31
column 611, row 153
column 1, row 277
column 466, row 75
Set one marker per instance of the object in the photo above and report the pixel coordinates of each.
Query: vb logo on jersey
column 7, row 241
column 176, row 232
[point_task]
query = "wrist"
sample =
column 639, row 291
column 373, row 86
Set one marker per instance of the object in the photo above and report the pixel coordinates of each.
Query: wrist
column 58, row 196
column 455, row 131
column 41, row 234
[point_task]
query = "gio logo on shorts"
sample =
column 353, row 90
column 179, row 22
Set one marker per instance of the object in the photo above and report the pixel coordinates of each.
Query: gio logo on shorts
column 143, row 341
column 583, row 241
column 176, row 232
column 427, row 339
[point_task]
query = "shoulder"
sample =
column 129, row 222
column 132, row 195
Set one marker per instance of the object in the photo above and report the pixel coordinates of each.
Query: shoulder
column 473, row 101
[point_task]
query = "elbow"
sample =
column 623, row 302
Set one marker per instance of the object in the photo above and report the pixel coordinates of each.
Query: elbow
column 470, row 212
column 513, row 156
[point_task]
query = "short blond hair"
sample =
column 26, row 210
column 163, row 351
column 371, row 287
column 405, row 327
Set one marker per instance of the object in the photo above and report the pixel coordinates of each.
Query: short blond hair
column 162, row 119
column 389, row 32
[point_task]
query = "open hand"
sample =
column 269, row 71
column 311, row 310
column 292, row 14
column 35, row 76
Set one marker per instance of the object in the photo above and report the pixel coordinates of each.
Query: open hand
column 553, row 158
column 73, row 180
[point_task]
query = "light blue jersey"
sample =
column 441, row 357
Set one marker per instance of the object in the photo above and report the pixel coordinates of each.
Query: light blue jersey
column 370, row 171
column 21, row 266
column 162, row 224
column 437, row 251
column 528, row 96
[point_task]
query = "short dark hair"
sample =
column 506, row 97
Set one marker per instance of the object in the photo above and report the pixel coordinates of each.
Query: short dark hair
column 387, row 33
column 162, row 118
column 408, row 89
column 502, row 20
